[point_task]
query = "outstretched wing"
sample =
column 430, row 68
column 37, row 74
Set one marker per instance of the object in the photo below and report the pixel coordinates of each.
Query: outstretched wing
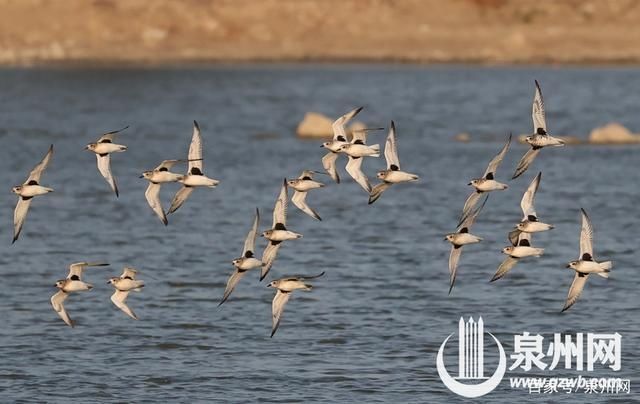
column 104, row 165
column 354, row 170
column 303, row 277
column 391, row 149
column 579, row 280
column 529, row 196
column 537, row 112
column 280, row 208
column 490, row 172
column 268, row 257
column 36, row 173
column 57, row 301
column 76, row 269
column 19, row 216
column 153, row 198
column 250, row 241
column 299, row 199
column 119, row 298
column 231, row 284
column 279, row 301
column 329, row 164
column 167, row 164
column 377, row 191
column 180, row 198
column 339, row 131
column 525, row 162
column 469, row 205
column 586, row 237
column 109, row 136
column 505, row 267
column 454, row 258
column 195, row 151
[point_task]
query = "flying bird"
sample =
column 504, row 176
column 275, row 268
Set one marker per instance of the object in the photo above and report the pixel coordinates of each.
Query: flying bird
column 339, row 139
column 540, row 137
column 73, row 283
column 195, row 177
column 487, row 183
column 278, row 233
column 393, row 174
column 284, row 288
column 356, row 150
column 123, row 285
column 156, row 177
column 246, row 262
column 460, row 238
column 30, row 188
column 302, row 185
column 585, row 264
column 516, row 252
column 103, row 149
column 529, row 222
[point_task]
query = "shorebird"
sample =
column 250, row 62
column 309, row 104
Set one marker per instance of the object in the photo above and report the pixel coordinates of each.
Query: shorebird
column 393, row 174
column 103, row 149
column 30, row 188
column 246, row 262
column 123, row 285
column 194, row 177
column 487, row 183
column 284, row 288
column 156, row 177
column 278, row 233
column 530, row 222
column 356, row 150
column 586, row 263
column 521, row 249
column 460, row 238
column 540, row 138
column 339, row 139
column 302, row 185
column 73, row 283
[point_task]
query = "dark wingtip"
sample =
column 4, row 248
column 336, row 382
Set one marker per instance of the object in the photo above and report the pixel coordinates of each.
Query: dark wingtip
column 195, row 123
column 393, row 125
column 14, row 240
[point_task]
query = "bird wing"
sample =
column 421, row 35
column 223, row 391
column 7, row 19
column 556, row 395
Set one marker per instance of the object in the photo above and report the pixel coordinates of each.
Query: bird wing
column 195, row 151
column 469, row 205
column 525, row 162
column 153, row 198
column 279, row 301
column 377, row 191
column 329, row 164
column 167, row 164
column 586, row 236
column 391, row 149
column 36, row 173
column 119, row 298
column 179, row 199
column 298, row 199
column 471, row 216
column 302, row 277
column 250, row 241
column 231, row 284
column 109, row 136
column 359, row 136
column 579, row 280
column 104, row 165
column 353, row 168
column 505, row 267
column 129, row 272
column 57, row 301
column 454, row 258
column 339, row 131
column 77, row 268
column 514, row 236
column 537, row 112
column 268, row 257
column 527, row 199
column 490, row 172
column 280, row 208
column 19, row 216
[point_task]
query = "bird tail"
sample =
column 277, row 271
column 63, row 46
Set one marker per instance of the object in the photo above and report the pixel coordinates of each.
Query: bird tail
column 376, row 148
column 606, row 268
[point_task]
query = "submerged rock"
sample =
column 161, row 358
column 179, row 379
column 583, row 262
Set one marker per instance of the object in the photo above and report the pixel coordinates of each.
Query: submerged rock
column 316, row 125
column 613, row 133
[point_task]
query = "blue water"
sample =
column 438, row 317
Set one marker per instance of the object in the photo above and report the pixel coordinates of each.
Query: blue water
column 371, row 328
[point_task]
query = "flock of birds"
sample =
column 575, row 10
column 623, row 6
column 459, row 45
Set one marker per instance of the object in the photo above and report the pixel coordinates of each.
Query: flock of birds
column 356, row 149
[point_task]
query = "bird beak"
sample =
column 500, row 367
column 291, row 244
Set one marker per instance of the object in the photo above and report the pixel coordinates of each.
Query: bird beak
column 568, row 266
column 108, row 282
column 142, row 176
column 321, row 145
column 469, row 184
column 445, row 239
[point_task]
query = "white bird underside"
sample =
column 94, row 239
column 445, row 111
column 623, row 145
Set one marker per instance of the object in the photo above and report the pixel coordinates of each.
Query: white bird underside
column 57, row 301
column 152, row 194
column 119, row 298
column 354, row 169
column 104, row 166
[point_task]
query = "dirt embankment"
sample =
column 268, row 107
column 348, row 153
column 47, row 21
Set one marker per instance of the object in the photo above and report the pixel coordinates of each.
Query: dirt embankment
column 171, row 31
